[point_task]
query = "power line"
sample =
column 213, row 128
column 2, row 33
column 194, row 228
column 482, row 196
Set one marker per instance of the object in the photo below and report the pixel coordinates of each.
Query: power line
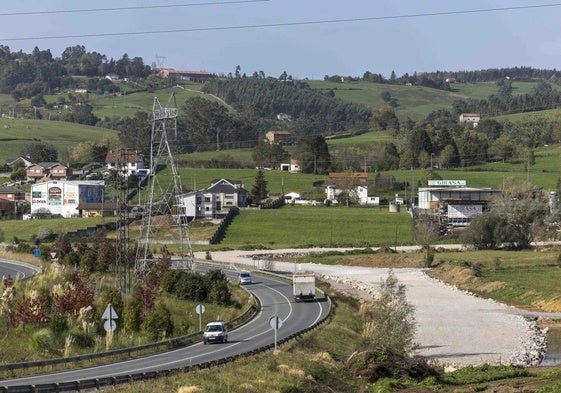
column 282, row 24
column 45, row 12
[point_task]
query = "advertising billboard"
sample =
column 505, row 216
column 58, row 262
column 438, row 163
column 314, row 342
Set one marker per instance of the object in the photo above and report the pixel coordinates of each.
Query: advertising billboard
column 54, row 196
column 90, row 193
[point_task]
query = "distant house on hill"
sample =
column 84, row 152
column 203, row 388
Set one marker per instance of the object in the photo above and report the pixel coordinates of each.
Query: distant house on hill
column 470, row 118
column 48, row 170
column 193, row 76
column 128, row 161
column 278, row 137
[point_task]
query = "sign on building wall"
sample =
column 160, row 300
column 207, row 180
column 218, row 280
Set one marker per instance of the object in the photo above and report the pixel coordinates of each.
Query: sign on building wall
column 54, row 196
column 91, row 193
column 70, row 198
column 447, row 183
column 464, row 211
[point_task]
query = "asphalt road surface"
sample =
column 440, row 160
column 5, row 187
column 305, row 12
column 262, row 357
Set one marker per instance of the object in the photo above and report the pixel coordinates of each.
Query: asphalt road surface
column 455, row 328
column 276, row 300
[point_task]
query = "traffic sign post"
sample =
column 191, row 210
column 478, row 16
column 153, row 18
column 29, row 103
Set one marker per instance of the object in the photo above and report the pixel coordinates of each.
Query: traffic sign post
column 200, row 309
column 275, row 322
column 109, row 315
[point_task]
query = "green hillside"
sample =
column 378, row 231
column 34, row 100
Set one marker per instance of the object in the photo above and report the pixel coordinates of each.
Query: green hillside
column 414, row 102
column 16, row 133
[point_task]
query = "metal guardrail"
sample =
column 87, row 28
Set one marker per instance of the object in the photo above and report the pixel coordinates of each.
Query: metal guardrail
column 97, row 383
column 165, row 344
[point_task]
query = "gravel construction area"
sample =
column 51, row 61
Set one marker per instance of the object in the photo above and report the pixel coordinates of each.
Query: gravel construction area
column 455, row 328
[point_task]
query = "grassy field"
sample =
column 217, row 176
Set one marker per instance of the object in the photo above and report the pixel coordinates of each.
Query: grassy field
column 299, row 226
column 25, row 229
column 414, row 102
column 129, row 104
column 16, row 133
column 525, row 279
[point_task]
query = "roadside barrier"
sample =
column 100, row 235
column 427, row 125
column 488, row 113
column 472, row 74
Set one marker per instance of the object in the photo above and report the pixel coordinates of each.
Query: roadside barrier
column 98, row 383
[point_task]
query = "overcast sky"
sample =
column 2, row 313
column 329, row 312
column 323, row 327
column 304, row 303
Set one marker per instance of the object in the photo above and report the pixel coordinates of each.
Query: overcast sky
column 305, row 38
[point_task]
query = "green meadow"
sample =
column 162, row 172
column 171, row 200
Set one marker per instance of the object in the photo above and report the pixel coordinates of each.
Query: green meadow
column 16, row 133
column 311, row 226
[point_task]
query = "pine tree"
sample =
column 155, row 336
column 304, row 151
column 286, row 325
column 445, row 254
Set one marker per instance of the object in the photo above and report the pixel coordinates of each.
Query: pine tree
column 259, row 190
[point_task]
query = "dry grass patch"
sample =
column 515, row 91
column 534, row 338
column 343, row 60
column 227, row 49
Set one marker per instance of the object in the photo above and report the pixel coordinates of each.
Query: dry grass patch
column 189, row 389
column 455, row 275
column 290, row 371
column 549, row 305
column 386, row 260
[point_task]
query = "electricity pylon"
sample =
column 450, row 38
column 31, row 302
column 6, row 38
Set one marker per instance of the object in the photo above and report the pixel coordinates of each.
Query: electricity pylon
column 164, row 216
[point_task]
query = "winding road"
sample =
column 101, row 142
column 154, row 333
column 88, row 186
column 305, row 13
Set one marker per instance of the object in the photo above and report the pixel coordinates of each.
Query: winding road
column 276, row 299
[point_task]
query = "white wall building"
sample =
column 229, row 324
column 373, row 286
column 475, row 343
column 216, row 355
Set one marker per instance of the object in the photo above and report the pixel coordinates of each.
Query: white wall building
column 457, row 205
column 64, row 197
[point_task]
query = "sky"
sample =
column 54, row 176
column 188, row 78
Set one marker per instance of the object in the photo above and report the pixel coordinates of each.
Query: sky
column 305, row 38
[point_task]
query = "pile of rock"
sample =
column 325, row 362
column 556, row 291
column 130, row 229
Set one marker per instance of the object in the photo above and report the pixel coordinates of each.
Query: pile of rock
column 534, row 350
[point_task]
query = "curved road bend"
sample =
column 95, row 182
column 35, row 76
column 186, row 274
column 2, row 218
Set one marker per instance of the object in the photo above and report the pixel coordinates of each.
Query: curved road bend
column 14, row 269
column 453, row 327
column 276, row 300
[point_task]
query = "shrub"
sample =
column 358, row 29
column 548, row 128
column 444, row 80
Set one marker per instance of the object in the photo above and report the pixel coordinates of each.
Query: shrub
column 58, row 324
column 43, row 341
column 158, row 323
column 82, row 339
column 390, row 324
column 45, row 234
column 131, row 315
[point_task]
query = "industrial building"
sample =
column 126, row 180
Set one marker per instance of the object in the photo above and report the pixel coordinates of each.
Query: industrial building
column 78, row 198
column 453, row 203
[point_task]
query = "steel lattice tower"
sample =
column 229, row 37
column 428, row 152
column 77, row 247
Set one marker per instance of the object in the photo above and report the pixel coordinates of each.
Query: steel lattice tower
column 164, row 209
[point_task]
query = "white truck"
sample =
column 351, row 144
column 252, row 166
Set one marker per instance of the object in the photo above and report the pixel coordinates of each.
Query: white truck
column 304, row 286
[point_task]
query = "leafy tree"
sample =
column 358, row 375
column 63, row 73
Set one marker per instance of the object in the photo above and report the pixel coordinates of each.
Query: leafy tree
column 390, row 321
column 514, row 220
column 18, row 174
column 158, row 323
column 449, row 157
column 136, row 132
column 131, row 315
column 259, row 190
column 502, row 148
column 313, row 154
column 269, row 155
column 485, row 231
column 389, row 159
column 208, row 126
column 40, row 152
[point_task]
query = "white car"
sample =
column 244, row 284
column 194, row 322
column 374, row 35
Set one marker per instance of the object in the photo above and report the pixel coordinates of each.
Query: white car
column 245, row 278
column 215, row 332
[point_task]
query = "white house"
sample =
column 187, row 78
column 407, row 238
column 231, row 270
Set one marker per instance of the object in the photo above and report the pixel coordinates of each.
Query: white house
column 355, row 183
column 359, row 192
column 67, row 198
column 292, row 167
column 215, row 201
column 470, row 118
column 127, row 161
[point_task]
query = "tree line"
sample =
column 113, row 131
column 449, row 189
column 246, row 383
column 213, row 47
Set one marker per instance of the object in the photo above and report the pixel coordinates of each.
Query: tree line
column 310, row 109
column 444, row 80
column 38, row 73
